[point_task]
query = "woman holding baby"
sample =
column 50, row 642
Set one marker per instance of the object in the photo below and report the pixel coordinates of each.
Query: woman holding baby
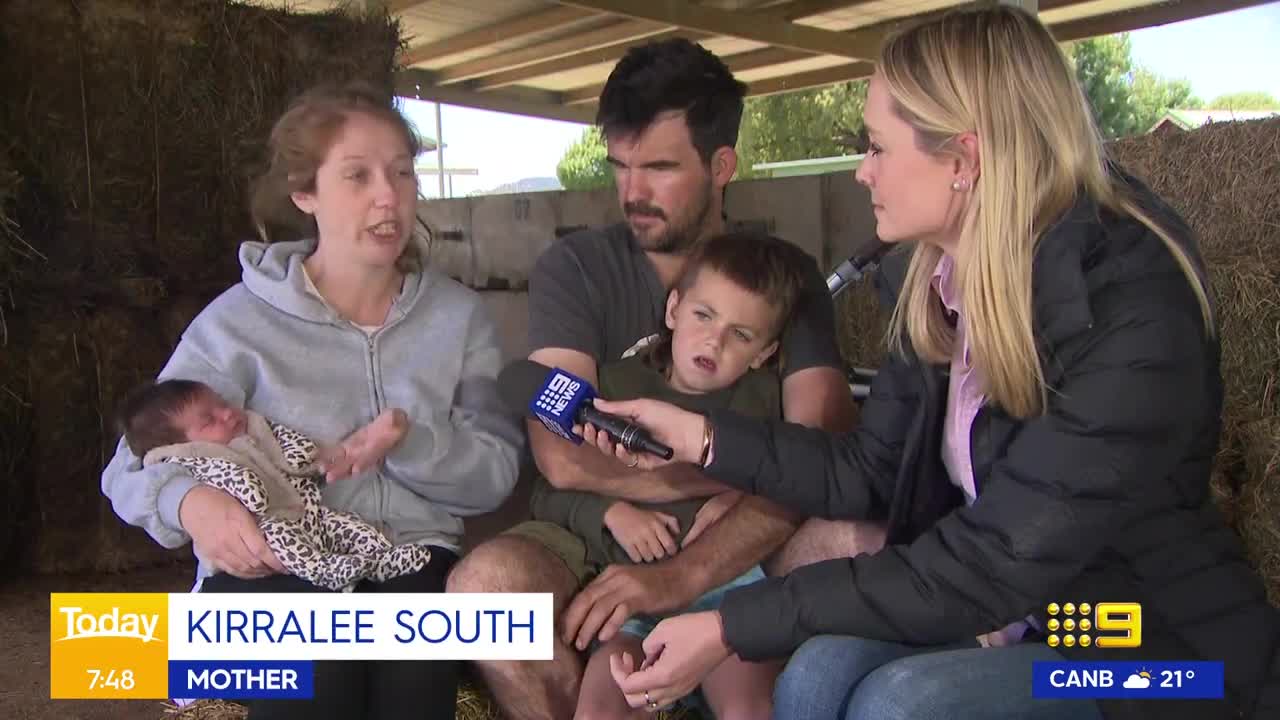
column 324, row 335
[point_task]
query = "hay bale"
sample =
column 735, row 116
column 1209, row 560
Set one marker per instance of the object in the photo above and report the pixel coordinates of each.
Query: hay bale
column 16, row 431
column 862, row 325
column 80, row 364
column 129, row 132
column 1225, row 180
column 146, row 121
column 206, row 710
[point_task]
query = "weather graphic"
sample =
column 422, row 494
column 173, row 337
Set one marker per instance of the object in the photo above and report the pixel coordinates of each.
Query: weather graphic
column 1126, row 679
column 1140, row 680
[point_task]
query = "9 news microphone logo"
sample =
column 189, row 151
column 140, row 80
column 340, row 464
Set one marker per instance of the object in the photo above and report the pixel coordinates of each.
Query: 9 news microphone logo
column 557, row 402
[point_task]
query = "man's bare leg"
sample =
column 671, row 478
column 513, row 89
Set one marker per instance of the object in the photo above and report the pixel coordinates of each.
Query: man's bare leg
column 524, row 690
column 818, row 539
column 600, row 698
column 740, row 690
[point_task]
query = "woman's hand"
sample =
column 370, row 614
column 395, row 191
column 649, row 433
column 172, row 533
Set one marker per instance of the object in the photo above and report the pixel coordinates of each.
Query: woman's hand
column 646, row 535
column 334, row 462
column 680, row 652
column 226, row 534
column 678, row 429
column 711, row 511
column 367, row 446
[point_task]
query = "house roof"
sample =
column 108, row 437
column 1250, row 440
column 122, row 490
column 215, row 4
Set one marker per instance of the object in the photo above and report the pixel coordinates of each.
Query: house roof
column 550, row 58
column 1191, row 119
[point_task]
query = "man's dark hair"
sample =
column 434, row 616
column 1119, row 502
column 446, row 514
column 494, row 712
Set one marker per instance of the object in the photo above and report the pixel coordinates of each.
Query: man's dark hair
column 146, row 415
column 761, row 264
column 670, row 75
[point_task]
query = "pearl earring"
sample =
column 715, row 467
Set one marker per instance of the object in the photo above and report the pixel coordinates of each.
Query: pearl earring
column 960, row 184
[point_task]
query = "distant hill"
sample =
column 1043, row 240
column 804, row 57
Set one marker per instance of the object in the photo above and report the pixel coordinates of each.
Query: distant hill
column 524, row 185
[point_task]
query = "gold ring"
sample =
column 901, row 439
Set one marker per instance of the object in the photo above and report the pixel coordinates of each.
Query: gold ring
column 634, row 462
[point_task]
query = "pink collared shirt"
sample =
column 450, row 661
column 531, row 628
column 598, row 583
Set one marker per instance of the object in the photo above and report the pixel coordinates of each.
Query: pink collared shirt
column 964, row 393
column 965, row 397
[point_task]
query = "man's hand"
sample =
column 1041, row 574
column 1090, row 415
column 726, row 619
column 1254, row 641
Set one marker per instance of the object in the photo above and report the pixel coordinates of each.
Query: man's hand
column 601, row 608
column 711, row 511
column 226, row 534
column 646, row 535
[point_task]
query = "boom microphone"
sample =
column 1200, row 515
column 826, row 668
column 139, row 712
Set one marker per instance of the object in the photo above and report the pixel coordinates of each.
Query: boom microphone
column 560, row 400
column 855, row 267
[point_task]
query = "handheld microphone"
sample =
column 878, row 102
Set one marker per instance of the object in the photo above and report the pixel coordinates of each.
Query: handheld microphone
column 560, row 400
column 855, row 267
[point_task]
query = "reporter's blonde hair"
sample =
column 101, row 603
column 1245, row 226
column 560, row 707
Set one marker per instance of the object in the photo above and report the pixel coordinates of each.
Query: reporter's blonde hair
column 998, row 72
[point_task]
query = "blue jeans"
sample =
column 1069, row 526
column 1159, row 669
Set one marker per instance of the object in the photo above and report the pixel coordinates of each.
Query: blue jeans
column 849, row 678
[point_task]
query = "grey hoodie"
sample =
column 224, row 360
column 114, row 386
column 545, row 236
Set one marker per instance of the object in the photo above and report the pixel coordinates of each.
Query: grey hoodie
column 268, row 345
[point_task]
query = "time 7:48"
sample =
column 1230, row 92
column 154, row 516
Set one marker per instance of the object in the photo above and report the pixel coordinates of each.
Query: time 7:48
column 110, row 679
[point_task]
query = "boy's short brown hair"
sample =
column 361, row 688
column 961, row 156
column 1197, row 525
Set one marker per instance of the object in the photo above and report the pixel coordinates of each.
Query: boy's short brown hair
column 146, row 415
column 759, row 263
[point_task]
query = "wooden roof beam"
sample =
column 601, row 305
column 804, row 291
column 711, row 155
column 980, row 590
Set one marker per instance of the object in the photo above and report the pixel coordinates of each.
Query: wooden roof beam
column 624, row 31
column 610, row 53
column 606, row 53
column 810, row 79
column 1144, row 17
column 769, row 28
column 396, row 6
column 419, row 84
column 528, row 24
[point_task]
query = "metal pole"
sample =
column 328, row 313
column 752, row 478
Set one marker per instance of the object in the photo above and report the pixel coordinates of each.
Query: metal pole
column 440, row 149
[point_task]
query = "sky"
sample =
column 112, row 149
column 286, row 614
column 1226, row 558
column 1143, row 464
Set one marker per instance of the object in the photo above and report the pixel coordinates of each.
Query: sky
column 1222, row 53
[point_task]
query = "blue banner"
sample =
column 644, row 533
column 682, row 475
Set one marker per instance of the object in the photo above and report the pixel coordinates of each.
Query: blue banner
column 1157, row 680
column 241, row 679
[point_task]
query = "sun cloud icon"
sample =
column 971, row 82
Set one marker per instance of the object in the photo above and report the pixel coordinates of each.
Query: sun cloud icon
column 1138, row 681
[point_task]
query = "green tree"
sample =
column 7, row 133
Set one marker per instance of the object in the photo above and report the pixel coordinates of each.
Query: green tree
column 1153, row 96
column 789, row 126
column 1126, row 99
column 1245, row 101
column 584, row 165
column 800, row 125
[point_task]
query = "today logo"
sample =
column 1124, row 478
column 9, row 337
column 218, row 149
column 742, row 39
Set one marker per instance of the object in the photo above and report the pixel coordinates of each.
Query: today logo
column 108, row 645
column 81, row 624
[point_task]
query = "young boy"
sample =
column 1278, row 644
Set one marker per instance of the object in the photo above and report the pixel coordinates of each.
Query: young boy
column 271, row 469
column 725, row 314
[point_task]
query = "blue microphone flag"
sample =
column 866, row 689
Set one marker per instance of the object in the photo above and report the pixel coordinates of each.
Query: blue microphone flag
column 557, row 402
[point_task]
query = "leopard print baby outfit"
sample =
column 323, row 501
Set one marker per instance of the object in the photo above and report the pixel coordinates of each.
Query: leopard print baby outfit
column 326, row 547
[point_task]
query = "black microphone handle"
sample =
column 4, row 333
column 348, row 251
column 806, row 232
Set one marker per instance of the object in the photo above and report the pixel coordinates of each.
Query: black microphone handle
column 633, row 437
column 852, row 269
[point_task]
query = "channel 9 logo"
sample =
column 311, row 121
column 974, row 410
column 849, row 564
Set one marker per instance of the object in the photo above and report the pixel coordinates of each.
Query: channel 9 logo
column 1107, row 617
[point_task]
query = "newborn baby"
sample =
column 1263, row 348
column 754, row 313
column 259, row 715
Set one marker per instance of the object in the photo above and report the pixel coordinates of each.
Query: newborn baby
column 273, row 471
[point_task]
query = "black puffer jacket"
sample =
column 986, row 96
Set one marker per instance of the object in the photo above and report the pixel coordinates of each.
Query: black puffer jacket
column 1104, row 498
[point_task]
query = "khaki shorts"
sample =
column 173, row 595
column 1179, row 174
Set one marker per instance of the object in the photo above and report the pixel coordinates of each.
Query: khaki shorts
column 570, row 548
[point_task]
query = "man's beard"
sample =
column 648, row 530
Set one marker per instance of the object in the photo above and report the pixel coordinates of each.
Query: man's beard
column 675, row 238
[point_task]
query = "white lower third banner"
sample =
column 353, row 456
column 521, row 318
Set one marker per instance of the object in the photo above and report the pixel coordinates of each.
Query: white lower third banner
column 232, row 645
column 361, row 626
